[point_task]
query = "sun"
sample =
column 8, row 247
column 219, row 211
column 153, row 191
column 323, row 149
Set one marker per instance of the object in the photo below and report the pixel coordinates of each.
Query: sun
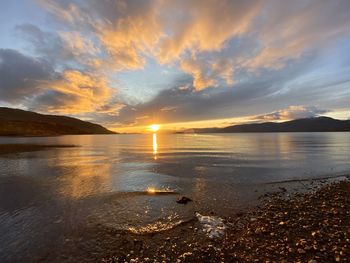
column 151, row 190
column 155, row 127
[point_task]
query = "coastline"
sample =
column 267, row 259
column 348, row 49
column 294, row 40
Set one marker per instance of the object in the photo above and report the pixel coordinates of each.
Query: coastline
column 313, row 226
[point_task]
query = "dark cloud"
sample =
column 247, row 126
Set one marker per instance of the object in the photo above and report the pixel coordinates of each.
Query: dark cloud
column 46, row 44
column 63, row 49
column 21, row 76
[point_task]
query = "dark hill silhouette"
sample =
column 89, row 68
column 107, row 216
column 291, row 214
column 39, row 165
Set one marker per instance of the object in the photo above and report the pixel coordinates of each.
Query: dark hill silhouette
column 318, row 124
column 15, row 122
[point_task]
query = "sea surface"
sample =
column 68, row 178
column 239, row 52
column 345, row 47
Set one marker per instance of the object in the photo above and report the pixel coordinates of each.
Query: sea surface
column 132, row 182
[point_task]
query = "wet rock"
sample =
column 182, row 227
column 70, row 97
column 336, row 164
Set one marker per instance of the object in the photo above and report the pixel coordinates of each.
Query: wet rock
column 283, row 189
column 183, row 200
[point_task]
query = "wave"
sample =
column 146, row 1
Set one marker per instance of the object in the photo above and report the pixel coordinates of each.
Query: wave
column 155, row 227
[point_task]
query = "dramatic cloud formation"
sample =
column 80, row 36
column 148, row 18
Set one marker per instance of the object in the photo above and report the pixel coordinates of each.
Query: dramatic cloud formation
column 34, row 83
column 73, row 92
column 208, row 59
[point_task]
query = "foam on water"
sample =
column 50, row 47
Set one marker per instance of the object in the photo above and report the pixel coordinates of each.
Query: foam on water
column 213, row 226
column 154, row 227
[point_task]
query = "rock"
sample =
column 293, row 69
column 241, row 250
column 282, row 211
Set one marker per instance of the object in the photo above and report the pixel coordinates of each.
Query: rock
column 183, row 200
column 239, row 214
column 283, row 189
column 301, row 251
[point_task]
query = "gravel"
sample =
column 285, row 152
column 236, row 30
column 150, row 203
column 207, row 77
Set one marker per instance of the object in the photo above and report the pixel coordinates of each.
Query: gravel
column 300, row 227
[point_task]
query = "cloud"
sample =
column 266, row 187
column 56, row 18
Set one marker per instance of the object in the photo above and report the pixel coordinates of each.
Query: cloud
column 77, row 44
column 73, row 93
column 279, row 34
column 237, row 58
column 295, row 29
column 247, row 99
column 205, row 25
column 199, row 33
column 62, row 47
column 127, row 30
column 208, row 72
column 183, row 103
column 21, row 76
column 111, row 109
column 33, row 83
column 292, row 112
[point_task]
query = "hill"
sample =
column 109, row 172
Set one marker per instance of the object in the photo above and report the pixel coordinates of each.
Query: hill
column 318, row 124
column 15, row 122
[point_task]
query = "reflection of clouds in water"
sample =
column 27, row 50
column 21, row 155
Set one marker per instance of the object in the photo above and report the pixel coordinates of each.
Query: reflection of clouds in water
column 81, row 173
column 85, row 181
column 199, row 184
column 200, row 170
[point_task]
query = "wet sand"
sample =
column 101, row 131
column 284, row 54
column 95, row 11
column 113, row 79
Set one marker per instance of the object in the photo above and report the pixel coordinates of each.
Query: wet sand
column 19, row 148
column 313, row 226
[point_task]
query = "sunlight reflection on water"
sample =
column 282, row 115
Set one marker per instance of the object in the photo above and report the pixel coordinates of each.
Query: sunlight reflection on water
column 155, row 146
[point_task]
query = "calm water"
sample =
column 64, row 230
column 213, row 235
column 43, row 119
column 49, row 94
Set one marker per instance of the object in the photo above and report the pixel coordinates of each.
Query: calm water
column 104, row 181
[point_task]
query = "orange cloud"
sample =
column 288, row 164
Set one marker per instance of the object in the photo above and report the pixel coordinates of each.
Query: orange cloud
column 80, row 92
column 198, row 70
column 205, row 25
column 209, row 72
column 130, row 35
column 196, row 35
column 173, row 31
column 77, row 44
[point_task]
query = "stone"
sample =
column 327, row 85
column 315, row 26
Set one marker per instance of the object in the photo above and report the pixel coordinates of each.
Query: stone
column 183, row 200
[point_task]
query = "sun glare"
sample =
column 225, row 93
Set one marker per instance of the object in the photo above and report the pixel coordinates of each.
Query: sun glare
column 155, row 127
column 151, row 190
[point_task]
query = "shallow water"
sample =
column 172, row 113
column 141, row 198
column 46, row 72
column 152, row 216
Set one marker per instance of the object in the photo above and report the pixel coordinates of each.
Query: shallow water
column 106, row 180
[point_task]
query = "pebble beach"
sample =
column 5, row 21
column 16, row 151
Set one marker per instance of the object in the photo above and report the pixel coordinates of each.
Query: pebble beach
column 310, row 227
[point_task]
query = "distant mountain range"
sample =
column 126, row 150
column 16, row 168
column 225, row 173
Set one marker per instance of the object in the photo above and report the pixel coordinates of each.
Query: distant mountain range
column 318, row 124
column 15, row 122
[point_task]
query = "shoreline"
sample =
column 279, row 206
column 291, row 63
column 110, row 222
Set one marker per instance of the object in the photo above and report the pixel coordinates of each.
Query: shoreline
column 307, row 227
column 312, row 226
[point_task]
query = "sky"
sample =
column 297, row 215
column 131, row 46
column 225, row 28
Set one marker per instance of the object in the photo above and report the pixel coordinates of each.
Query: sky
column 126, row 64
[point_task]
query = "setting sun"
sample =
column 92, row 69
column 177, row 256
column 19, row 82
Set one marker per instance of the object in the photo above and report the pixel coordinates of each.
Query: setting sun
column 155, row 127
column 151, row 190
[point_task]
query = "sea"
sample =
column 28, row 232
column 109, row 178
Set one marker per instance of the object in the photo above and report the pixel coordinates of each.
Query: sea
column 132, row 182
